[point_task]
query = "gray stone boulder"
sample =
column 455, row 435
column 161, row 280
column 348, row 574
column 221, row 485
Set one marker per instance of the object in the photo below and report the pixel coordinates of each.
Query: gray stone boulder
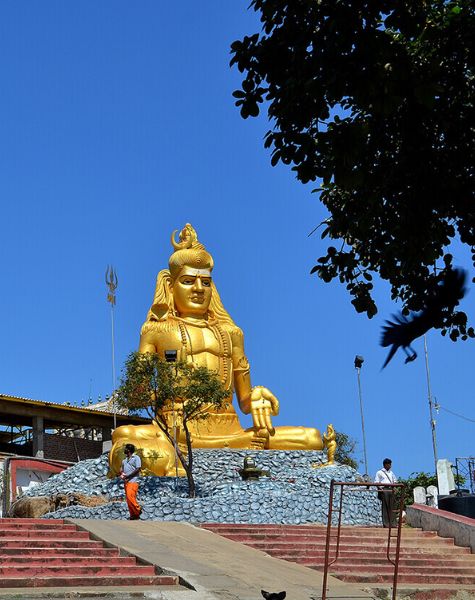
column 295, row 492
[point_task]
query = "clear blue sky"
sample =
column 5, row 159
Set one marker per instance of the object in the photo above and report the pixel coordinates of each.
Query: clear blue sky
column 118, row 126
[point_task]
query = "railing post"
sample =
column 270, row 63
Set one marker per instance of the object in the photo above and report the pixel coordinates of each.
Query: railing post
column 341, row 485
column 327, row 543
column 398, row 543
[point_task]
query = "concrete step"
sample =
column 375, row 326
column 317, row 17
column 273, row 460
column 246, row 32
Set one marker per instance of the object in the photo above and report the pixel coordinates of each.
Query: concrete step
column 303, row 542
column 28, row 571
column 304, row 536
column 426, row 560
column 305, row 548
column 31, row 521
column 315, row 530
column 358, row 561
column 409, row 591
column 413, row 548
column 425, row 579
column 86, row 581
column 372, row 558
column 46, row 525
column 81, row 561
column 52, row 552
column 388, row 569
column 42, row 543
column 36, row 553
column 38, row 534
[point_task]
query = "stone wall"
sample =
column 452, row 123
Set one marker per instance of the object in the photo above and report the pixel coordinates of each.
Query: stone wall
column 447, row 524
column 70, row 449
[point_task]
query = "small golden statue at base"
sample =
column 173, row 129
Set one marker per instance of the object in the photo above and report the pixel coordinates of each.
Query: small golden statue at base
column 329, row 442
column 188, row 317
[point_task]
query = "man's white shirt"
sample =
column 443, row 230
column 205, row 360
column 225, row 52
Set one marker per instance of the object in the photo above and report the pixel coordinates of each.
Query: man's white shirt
column 383, row 476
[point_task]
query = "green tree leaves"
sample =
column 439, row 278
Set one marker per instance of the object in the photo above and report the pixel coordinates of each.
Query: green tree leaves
column 374, row 100
column 153, row 385
column 346, row 447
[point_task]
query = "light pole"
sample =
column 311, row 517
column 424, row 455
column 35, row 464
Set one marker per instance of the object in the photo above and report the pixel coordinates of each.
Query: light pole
column 171, row 356
column 359, row 360
column 112, row 282
column 429, row 394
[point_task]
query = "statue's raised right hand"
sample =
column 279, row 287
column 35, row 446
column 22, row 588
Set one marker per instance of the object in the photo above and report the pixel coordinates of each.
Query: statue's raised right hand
column 263, row 405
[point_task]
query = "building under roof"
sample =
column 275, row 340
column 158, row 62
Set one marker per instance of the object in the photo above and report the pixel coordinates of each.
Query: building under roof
column 57, row 431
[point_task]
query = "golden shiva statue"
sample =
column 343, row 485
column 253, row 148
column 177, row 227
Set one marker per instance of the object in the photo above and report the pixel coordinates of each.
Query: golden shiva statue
column 187, row 316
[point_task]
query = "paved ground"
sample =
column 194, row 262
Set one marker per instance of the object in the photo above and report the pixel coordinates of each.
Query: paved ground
column 213, row 568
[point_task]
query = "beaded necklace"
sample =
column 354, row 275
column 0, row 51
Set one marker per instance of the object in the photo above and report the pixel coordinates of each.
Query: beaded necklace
column 223, row 341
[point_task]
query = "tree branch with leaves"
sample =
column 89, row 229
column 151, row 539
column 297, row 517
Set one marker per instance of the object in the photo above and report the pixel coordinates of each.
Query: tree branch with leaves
column 374, row 101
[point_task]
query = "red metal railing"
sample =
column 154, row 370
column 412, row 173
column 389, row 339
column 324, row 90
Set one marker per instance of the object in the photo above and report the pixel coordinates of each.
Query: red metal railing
column 357, row 487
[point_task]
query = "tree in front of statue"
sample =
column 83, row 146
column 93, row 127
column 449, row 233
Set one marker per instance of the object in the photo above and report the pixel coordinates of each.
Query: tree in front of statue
column 172, row 394
column 374, row 101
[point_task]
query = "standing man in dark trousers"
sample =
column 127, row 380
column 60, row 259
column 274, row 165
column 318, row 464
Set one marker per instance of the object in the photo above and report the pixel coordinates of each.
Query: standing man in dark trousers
column 131, row 466
column 385, row 475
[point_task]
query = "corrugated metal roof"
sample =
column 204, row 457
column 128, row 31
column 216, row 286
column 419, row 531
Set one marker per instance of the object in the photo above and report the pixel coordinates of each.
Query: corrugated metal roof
column 104, row 407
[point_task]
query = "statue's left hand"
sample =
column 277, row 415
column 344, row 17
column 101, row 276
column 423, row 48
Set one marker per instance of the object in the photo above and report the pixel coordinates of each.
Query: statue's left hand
column 263, row 405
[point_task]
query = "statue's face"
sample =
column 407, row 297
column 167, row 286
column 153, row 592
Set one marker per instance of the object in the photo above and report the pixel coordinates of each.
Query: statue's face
column 192, row 292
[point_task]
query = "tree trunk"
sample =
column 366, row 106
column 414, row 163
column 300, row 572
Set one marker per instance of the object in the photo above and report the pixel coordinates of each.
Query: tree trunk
column 189, row 468
column 187, row 465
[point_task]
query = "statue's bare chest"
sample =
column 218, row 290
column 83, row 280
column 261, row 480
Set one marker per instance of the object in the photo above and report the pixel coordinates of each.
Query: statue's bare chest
column 202, row 339
column 193, row 339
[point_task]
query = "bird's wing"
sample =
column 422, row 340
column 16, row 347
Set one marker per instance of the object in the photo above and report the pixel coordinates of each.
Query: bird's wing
column 394, row 332
column 399, row 333
column 402, row 331
column 392, row 352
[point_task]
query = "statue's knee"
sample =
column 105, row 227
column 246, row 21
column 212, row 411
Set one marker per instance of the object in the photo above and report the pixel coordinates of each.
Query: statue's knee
column 124, row 432
column 134, row 433
column 314, row 439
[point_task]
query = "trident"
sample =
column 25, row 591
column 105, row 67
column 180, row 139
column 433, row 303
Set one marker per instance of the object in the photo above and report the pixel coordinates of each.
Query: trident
column 112, row 282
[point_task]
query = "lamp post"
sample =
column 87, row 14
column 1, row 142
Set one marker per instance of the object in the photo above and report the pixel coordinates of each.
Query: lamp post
column 171, row 357
column 359, row 360
column 112, row 282
column 429, row 394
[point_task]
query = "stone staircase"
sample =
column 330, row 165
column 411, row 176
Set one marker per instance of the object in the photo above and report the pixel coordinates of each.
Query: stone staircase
column 50, row 553
column 427, row 561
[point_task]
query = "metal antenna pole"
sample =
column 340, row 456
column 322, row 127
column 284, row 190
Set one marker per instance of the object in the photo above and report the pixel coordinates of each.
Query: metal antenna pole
column 362, row 422
column 175, row 444
column 359, row 360
column 112, row 282
column 171, row 357
column 175, row 432
column 429, row 394
column 113, row 365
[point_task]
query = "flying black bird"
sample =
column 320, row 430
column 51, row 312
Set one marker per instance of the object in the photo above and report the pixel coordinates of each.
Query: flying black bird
column 401, row 332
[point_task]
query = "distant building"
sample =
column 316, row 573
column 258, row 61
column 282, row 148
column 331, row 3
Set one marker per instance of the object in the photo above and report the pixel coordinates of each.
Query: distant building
column 39, row 438
column 57, row 431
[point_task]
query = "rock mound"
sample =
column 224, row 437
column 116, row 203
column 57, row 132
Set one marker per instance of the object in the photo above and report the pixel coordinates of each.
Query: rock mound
column 295, row 492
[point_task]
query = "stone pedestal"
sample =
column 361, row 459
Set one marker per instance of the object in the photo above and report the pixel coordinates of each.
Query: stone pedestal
column 445, row 477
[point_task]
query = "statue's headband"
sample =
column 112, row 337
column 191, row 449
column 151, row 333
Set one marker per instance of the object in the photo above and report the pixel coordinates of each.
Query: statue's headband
column 197, row 272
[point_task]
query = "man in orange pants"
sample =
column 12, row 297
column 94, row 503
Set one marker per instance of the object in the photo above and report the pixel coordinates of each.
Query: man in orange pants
column 131, row 466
